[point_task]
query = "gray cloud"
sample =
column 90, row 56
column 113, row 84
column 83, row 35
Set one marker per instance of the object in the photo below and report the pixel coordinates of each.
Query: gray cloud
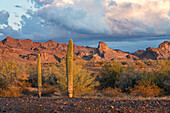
column 93, row 20
column 18, row 6
column 4, row 17
column 112, row 3
column 8, row 31
column 74, row 19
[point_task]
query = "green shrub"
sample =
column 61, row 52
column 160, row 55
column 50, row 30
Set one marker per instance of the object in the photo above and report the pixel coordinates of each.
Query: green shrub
column 110, row 74
column 84, row 82
column 127, row 80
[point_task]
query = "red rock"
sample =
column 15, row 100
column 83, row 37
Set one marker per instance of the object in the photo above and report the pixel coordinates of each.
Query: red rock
column 27, row 50
column 162, row 52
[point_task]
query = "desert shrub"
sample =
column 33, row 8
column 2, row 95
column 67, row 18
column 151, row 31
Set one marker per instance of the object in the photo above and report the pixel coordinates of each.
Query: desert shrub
column 48, row 90
column 161, row 74
column 124, row 63
column 11, row 91
column 150, row 62
column 146, row 88
column 110, row 92
column 140, row 64
column 31, row 70
column 110, row 74
column 163, row 66
column 127, row 80
column 100, row 63
column 84, row 82
column 12, row 79
column 49, row 74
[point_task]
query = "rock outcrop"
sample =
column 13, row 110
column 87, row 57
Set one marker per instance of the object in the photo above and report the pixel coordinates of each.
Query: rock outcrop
column 27, row 50
column 162, row 52
column 110, row 54
column 139, row 52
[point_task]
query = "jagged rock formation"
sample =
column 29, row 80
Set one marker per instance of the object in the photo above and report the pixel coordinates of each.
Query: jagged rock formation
column 110, row 54
column 162, row 52
column 27, row 51
column 138, row 52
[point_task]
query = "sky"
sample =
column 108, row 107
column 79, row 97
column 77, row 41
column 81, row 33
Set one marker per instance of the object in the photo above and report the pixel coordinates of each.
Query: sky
column 127, row 25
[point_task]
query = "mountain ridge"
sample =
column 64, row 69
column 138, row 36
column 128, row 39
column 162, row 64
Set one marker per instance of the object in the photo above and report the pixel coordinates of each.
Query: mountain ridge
column 26, row 51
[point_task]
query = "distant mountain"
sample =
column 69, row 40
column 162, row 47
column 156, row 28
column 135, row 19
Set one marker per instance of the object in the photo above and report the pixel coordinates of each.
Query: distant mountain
column 25, row 51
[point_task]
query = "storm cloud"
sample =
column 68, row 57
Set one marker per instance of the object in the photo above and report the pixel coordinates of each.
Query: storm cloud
column 91, row 20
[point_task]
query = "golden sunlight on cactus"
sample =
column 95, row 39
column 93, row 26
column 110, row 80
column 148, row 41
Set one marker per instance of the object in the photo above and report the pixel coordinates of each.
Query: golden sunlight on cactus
column 39, row 75
column 69, row 69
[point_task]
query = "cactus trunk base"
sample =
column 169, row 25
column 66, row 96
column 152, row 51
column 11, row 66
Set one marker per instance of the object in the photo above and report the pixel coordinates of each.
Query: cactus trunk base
column 70, row 95
column 39, row 95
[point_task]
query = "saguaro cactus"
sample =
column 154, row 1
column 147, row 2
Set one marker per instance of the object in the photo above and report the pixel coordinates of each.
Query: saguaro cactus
column 39, row 75
column 69, row 68
column 93, row 59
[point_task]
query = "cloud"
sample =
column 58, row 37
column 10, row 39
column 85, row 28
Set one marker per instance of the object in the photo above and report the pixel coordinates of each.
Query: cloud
column 8, row 31
column 138, row 17
column 4, row 17
column 75, row 19
column 107, row 17
column 112, row 3
column 106, row 20
column 18, row 6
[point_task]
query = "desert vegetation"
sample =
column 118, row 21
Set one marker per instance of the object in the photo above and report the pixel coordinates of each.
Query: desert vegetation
column 96, row 86
column 140, row 78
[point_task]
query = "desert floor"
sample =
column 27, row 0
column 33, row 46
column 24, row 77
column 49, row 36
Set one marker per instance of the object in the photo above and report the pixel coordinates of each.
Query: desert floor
column 83, row 105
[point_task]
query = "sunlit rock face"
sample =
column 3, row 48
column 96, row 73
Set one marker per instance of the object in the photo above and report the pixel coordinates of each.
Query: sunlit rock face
column 162, row 52
column 26, row 51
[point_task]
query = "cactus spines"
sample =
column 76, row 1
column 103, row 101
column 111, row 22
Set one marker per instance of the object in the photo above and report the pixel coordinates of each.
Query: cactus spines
column 69, row 68
column 39, row 75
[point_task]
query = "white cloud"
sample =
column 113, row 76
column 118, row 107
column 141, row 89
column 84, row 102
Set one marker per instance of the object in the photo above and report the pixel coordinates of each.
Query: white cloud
column 136, row 17
column 95, row 19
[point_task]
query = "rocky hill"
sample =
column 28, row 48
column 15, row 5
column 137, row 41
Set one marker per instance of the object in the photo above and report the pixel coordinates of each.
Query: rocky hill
column 27, row 50
column 162, row 52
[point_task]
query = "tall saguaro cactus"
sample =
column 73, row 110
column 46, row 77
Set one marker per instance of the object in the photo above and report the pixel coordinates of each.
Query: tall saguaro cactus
column 39, row 75
column 69, row 68
column 93, row 59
